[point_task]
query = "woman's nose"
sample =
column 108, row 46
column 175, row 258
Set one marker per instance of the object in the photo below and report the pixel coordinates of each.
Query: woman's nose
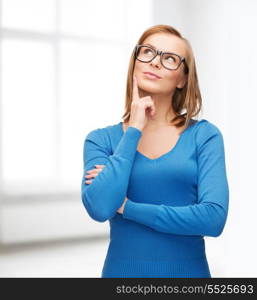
column 156, row 61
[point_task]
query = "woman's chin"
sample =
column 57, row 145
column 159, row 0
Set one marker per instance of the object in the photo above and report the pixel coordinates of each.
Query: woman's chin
column 149, row 87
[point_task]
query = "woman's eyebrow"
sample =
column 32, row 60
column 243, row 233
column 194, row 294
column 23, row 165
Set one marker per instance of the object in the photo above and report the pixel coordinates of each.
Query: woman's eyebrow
column 148, row 44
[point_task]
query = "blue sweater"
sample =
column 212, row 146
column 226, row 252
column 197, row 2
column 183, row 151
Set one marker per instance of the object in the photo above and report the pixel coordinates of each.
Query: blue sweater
column 173, row 201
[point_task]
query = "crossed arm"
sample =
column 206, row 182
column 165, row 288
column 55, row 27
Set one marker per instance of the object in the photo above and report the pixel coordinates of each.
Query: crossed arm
column 92, row 174
column 107, row 192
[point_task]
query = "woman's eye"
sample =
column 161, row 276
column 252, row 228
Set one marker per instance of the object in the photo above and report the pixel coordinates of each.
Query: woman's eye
column 148, row 51
column 171, row 58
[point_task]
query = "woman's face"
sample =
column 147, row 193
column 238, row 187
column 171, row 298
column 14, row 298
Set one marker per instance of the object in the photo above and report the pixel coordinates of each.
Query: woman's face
column 170, row 79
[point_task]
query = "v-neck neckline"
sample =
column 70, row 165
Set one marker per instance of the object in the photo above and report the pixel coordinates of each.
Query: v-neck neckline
column 191, row 122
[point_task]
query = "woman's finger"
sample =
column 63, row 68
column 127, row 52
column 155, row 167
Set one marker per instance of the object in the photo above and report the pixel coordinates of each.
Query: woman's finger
column 94, row 170
column 91, row 175
column 135, row 91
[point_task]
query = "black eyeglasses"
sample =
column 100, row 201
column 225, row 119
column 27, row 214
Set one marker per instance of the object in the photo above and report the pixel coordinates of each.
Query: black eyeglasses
column 169, row 60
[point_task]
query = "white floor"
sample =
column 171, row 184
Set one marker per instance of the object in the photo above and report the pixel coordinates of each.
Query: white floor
column 79, row 258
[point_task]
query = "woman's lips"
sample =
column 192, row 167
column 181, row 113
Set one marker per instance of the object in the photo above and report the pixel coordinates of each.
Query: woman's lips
column 151, row 75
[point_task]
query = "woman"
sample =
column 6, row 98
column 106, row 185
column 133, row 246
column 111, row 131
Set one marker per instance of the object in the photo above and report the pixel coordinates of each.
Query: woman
column 159, row 177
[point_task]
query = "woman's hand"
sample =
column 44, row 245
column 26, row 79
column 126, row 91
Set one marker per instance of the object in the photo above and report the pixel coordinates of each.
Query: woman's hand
column 141, row 108
column 93, row 173
column 121, row 209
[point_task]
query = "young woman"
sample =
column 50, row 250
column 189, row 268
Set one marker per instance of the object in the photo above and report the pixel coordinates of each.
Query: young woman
column 159, row 177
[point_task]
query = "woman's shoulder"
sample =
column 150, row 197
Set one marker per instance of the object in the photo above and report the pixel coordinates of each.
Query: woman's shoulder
column 205, row 131
column 104, row 134
column 205, row 126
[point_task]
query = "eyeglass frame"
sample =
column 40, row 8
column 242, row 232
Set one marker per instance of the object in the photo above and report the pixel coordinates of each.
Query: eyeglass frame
column 161, row 53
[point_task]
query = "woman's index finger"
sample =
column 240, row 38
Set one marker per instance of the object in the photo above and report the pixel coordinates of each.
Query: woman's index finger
column 135, row 88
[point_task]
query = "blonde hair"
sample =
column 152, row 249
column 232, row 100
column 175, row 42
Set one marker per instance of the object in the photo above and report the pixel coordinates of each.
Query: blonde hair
column 188, row 97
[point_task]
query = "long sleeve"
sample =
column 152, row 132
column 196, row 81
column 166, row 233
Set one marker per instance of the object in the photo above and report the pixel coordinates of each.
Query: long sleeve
column 105, row 195
column 207, row 217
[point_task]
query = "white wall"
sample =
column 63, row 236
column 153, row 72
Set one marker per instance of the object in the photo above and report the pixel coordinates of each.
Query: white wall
column 47, row 205
column 46, row 220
